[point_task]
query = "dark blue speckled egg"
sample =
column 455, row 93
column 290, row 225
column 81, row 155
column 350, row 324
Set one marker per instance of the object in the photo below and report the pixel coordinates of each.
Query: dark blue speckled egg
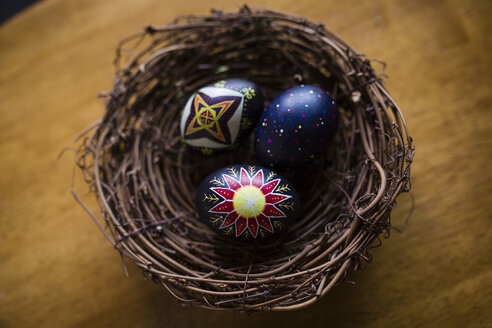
column 216, row 116
column 295, row 127
column 245, row 202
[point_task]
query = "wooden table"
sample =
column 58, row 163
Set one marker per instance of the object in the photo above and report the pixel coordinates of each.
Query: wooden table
column 56, row 268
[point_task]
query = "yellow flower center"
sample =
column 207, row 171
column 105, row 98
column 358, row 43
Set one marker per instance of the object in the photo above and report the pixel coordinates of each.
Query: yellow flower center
column 249, row 201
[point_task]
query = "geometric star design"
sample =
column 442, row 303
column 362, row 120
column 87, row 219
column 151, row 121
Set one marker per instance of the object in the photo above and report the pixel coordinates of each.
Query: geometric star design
column 249, row 203
column 209, row 116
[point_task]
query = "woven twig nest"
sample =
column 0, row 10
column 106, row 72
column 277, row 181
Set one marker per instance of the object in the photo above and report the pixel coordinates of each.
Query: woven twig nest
column 145, row 177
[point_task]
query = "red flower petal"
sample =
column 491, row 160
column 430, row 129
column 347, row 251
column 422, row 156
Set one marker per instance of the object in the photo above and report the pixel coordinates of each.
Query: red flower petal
column 257, row 180
column 272, row 211
column 245, row 180
column 224, row 192
column 265, row 222
column 240, row 226
column 232, row 183
column 224, row 207
column 275, row 198
column 253, row 226
column 230, row 219
column 268, row 188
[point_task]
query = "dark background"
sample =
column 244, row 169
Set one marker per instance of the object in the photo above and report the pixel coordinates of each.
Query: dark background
column 8, row 8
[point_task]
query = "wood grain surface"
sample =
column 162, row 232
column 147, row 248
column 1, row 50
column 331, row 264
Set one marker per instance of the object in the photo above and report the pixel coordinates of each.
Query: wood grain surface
column 56, row 268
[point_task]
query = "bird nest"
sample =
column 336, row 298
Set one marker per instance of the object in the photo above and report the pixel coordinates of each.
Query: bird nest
column 145, row 178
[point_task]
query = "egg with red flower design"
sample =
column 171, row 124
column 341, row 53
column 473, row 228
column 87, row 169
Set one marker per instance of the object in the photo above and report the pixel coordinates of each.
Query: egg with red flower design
column 244, row 202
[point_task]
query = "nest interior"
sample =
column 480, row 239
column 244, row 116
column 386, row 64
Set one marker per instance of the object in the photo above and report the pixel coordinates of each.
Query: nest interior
column 145, row 178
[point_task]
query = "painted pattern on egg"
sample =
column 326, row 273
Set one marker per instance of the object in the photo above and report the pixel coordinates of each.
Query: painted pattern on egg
column 217, row 116
column 212, row 118
column 247, row 201
column 296, row 127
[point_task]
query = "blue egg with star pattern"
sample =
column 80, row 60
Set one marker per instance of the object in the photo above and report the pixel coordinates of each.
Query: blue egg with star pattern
column 218, row 115
column 295, row 127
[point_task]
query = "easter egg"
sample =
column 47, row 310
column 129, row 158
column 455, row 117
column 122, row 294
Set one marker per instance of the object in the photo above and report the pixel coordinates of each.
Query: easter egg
column 295, row 127
column 216, row 116
column 244, row 202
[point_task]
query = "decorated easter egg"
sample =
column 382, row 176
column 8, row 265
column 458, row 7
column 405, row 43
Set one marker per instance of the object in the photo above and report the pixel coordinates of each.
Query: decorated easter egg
column 245, row 202
column 295, row 127
column 217, row 115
